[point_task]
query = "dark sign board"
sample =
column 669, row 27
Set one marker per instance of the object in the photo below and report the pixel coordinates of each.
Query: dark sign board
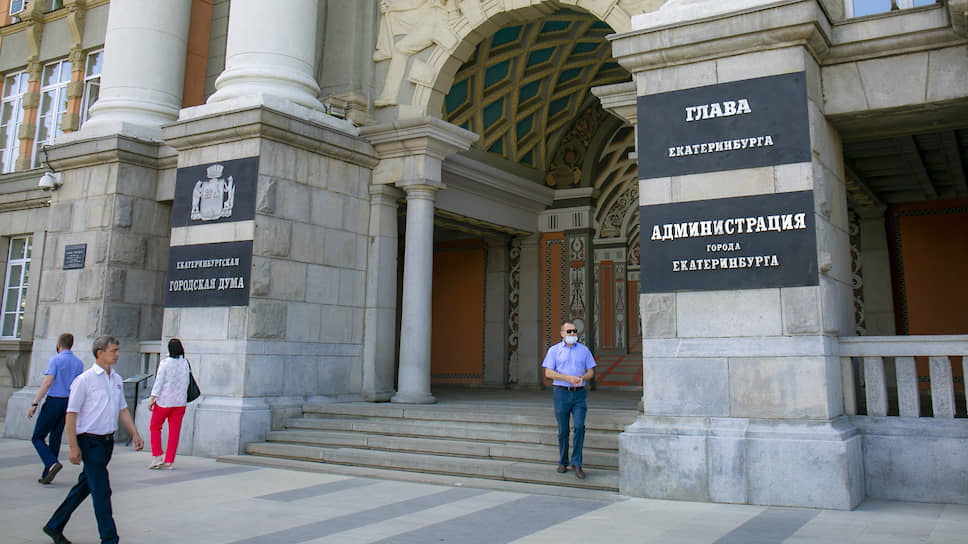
column 749, row 242
column 219, row 192
column 208, row 275
column 74, row 256
column 742, row 124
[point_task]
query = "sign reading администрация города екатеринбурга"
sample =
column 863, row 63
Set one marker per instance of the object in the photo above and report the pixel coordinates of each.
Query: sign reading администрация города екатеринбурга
column 209, row 275
column 748, row 242
column 741, row 124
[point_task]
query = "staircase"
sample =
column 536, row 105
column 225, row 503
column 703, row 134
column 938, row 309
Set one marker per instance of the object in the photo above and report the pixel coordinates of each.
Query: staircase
column 509, row 442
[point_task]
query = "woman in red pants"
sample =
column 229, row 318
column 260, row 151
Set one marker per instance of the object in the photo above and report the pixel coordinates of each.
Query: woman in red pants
column 167, row 401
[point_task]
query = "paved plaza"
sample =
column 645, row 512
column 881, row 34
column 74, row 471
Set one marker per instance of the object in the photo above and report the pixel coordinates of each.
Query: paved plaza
column 204, row 501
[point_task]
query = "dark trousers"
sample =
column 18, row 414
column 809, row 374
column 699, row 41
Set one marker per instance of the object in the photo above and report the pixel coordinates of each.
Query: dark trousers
column 50, row 422
column 96, row 453
column 570, row 405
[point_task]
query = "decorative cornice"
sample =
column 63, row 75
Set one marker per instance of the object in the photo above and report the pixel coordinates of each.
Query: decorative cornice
column 767, row 27
column 785, row 24
column 261, row 121
column 493, row 183
column 114, row 148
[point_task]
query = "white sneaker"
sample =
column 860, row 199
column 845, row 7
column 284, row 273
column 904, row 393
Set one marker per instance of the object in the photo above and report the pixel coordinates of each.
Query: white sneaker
column 167, row 466
column 157, row 461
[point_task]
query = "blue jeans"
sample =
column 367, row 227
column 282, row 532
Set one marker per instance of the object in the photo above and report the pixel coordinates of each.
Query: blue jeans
column 570, row 404
column 96, row 453
column 50, row 421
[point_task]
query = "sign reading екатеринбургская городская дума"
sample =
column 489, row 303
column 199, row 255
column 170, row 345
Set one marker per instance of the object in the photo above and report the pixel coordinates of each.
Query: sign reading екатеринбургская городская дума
column 747, row 242
column 212, row 274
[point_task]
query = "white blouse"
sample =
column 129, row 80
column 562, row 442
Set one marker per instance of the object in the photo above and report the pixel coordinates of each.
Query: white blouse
column 171, row 383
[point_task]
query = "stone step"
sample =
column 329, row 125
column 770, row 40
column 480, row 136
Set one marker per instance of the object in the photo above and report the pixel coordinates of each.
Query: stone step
column 540, row 416
column 442, row 446
column 496, row 469
column 524, row 434
column 557, row 485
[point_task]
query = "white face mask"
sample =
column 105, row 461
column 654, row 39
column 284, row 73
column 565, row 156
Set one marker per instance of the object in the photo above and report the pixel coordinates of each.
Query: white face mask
column 570, row 340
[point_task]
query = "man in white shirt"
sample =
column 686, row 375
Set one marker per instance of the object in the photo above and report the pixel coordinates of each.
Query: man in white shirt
column 95, row 406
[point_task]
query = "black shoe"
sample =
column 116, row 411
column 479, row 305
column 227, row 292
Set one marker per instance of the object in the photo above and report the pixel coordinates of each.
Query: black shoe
column 580, row 473
column 562, row 469
column 56, row 536
column 51, row 472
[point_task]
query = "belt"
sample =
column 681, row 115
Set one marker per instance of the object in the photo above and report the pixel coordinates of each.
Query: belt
column 109, row 436
column 572, row 389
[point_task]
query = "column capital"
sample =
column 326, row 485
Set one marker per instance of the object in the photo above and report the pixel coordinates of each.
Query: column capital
column 384, row 194
column 422, row 136
column 620, row 100
column 420, row 188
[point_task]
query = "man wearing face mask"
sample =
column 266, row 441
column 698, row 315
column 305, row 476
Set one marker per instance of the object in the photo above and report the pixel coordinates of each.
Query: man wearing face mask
column 570, row 365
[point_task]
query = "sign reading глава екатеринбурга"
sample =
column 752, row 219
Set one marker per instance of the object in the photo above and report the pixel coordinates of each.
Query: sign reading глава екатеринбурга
column 203, row 275
column 218, row 192
column 748, row 242
column 741, row 124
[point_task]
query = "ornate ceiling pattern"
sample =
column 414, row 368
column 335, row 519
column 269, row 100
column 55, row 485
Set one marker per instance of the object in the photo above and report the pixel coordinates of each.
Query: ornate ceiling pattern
column 618, row 183
column 528, row 82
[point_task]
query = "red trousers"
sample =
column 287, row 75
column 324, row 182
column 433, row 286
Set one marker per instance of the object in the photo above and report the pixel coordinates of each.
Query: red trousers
column 174, row 416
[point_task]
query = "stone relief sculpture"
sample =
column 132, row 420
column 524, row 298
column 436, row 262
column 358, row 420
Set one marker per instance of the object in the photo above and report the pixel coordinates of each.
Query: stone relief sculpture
column 423, row 23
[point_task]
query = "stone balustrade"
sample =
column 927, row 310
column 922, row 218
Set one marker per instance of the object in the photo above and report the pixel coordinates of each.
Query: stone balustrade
column 876, row 370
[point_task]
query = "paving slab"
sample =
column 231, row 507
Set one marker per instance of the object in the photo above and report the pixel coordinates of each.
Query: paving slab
column 210, row 502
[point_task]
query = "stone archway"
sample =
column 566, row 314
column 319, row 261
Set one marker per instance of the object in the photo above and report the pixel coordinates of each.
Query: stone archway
column 425, row 42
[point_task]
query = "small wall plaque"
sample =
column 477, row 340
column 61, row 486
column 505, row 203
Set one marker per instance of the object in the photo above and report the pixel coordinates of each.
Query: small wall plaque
column 74, row 256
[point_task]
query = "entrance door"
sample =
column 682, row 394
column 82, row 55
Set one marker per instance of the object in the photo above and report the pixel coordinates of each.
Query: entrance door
column 457, row 344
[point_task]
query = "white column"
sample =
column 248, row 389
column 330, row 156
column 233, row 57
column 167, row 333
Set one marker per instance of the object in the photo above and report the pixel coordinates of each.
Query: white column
column 411, row 152
column 271, row 50
column 144, row 68
column 380, row 317
column 415, row 323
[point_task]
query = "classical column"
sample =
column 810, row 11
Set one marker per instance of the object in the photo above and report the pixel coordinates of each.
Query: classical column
column 144, row 69
column 411, row 152
column 380, row 326
column 271, row 50
column 418, row 263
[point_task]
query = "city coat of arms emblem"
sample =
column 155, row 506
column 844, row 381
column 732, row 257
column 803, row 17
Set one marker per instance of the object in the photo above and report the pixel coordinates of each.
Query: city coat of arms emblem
column 213, row 198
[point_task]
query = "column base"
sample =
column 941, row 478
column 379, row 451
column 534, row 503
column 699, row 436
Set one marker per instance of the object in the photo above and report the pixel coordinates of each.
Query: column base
column 814, row 464
column 413, row 398
column 16, row 424
column 378, row 396
column 224, row 425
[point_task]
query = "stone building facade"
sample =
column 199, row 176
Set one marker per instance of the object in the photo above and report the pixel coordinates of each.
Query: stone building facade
column 357, row 200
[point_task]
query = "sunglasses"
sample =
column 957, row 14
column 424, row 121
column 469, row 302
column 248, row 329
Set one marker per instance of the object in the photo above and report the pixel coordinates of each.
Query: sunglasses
column 571, row 331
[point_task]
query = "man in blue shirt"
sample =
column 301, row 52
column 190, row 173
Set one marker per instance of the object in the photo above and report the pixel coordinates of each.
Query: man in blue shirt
column 61, row 371
column 570, row 365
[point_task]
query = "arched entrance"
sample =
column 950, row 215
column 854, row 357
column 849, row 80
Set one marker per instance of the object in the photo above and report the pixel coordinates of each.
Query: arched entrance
column 525, row 88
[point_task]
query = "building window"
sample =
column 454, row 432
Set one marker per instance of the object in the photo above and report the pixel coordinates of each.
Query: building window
column 15, row 292
column 92, row 82
column 16, row 6
column 860, row 8
column 53, row 106
column 11, row 117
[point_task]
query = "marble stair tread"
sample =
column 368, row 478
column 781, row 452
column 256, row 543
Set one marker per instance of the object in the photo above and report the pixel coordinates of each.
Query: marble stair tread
column 521, row 471
column 605, row 419
column 453, row 429
column 440, row 446
column 557, row 484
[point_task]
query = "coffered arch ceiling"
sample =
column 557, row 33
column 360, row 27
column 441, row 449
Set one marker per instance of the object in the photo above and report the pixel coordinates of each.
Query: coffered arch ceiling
column 527, row 84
